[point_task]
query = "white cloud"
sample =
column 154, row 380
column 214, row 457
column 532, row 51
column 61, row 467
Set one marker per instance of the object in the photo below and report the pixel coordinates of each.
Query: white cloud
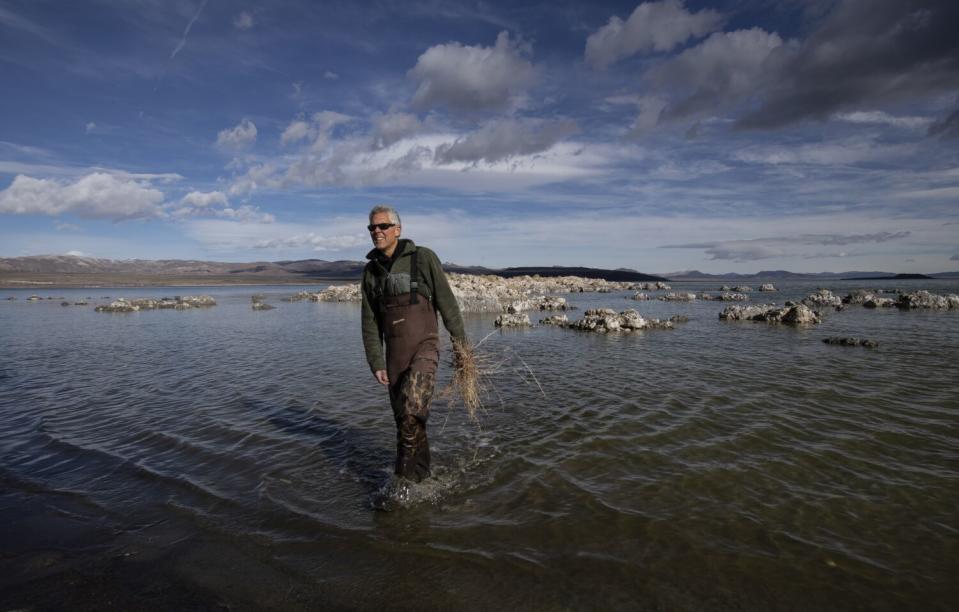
column 329, row 74
column 653, row 26
column 245, row 214
column 67, row 227
column 504, row 139
column 317, row 130
column 240, row 136
column 879, row 117
column 296, row 131
column 725, row 69
column 840, row 152
column 466, row 78
column 243, row 21
column 315, row 242
column 90, row 127
column 786, row 246
column 393, row 127
column 76, row 254
column 200, row 199
column 96, row 196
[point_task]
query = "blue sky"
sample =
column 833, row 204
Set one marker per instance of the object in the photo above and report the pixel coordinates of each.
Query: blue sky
column 660, row 136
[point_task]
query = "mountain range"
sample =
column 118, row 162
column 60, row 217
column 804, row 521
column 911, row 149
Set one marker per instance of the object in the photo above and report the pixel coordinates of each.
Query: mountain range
column 311, row 269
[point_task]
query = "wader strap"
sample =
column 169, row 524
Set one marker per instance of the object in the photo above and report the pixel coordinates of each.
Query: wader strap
column 413, row 276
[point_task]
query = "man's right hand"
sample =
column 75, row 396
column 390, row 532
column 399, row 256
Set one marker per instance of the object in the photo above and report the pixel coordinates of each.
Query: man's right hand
column 382, row 377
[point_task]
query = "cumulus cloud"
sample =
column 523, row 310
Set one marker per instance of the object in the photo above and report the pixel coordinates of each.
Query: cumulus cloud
column 470, row 79
column 863, row 51
column 653, row 26
column 317, row 130
column 393, row 127
column 95, row 196
column 329, row 74
column 238, row 137
column 315, row 241
column 90, row 127
column 245, row 214
column 720, row 72
column 503, row 139
column 785, row 246
column 200, row 199
column 243, row 21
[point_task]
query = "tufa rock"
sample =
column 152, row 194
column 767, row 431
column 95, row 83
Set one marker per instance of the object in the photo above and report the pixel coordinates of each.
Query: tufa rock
column 512, row 320
column 768, row 287
column 850, row 342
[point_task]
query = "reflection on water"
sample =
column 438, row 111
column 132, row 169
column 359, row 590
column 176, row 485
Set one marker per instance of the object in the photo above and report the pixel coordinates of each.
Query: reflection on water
column 717, row 466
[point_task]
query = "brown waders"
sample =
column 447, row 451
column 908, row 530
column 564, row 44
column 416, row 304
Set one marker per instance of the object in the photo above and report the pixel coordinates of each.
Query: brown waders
column 412, row 354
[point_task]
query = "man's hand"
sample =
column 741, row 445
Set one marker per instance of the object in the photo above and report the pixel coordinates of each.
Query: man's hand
column 382, row 377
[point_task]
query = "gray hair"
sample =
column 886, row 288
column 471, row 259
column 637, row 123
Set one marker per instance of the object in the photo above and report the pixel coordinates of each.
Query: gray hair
column 383, row 208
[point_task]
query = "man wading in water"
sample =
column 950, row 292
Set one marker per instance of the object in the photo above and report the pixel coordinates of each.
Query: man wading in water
column 403, row 287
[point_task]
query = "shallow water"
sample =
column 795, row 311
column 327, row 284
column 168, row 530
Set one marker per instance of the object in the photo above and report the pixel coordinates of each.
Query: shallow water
column 721, row 465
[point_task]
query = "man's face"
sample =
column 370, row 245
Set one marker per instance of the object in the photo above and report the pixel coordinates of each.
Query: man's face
column 384, row 240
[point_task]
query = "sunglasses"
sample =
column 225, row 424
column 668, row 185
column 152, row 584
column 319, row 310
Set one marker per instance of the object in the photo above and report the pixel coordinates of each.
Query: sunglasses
column 381, row 226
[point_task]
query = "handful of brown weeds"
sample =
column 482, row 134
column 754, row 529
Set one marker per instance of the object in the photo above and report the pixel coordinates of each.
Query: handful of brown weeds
column 472, row 371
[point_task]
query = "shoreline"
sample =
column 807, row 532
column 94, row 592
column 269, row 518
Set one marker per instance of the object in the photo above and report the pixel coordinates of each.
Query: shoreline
column 125, row 281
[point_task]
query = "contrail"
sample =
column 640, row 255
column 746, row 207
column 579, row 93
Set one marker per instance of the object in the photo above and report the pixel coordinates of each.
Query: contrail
column 186, row 32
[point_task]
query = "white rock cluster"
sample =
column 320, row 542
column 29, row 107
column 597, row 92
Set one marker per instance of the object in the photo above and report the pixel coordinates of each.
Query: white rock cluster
column 793, row 314
column 338, row 293
column 725, row 296
column 925, row 299
column 178, row 303
column 822, row 297
column 678, row 297
column 768, row 287
column 512, row 320
column 604, row 320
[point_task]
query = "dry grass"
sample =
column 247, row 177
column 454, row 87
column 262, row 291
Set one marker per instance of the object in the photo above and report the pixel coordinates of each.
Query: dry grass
column 473, row 374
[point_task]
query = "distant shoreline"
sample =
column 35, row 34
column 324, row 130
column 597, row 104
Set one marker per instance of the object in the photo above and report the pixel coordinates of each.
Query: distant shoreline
column 124, row 281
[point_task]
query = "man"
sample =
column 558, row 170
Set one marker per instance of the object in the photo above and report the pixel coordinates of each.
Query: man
column 403, row 287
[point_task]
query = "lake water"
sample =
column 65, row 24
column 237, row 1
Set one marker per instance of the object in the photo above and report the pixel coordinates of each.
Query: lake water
column 223, row 457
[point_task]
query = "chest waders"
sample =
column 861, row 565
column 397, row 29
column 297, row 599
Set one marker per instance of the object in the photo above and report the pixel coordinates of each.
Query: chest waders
column 412, row 354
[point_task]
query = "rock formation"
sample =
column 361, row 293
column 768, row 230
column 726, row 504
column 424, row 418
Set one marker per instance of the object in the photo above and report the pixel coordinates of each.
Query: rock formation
column 768, row 287
column 177, row 302
column 793, row 314
column 678, row 297
column 512, row 320
column 850, row 342
column 822, row 297
column 925, row 299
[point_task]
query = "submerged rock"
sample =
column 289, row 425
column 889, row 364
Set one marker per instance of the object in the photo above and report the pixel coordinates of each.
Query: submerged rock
column 742, row 289
column 850, row 342
column 925, row 299
column 555, row 320
column 512, row 320
column 639, row 297
column 262, row 306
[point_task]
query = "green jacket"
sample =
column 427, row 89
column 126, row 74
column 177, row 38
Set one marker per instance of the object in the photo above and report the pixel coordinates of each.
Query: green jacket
column 431, row 284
